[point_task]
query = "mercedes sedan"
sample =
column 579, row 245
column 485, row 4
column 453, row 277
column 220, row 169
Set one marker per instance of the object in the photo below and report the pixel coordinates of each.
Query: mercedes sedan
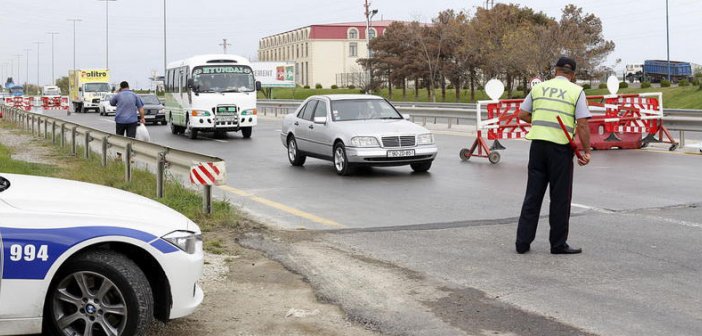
column 356, row 130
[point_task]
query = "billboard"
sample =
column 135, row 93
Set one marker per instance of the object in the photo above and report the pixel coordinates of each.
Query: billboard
column 274, row 74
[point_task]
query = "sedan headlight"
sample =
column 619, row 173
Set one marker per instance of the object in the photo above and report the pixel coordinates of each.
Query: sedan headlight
column 425, row 139
column 162, row 111
column 364, row 141
column 187, row 241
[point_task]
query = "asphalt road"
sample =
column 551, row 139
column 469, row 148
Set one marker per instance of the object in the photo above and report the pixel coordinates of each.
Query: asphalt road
column 636, row 214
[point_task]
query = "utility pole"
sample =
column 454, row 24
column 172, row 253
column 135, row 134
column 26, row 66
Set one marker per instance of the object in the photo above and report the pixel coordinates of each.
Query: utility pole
column 26, row 78
column 19, row 81
column 369, row 15
column 74, row 39
column 53, row 76
column 667, row 37
column 107, row 32
column 38, row 44
column 165, row 64
column 225, row 44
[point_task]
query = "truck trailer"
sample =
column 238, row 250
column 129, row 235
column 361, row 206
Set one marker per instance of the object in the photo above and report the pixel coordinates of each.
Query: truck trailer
column 87, row 88
column 657, row 70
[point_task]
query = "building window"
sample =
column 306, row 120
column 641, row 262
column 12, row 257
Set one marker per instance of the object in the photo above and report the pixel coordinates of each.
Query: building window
column 372, row 33
column 353, row 49
column 353, row 34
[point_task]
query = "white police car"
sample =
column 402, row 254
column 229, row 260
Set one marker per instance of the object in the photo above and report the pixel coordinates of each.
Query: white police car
column 83, row 259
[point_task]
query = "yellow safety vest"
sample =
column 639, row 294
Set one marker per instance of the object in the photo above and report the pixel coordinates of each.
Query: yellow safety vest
column 555, row 97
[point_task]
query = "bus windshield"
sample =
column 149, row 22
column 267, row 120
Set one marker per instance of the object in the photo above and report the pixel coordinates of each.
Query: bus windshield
column 97, row 87
column 223, row 78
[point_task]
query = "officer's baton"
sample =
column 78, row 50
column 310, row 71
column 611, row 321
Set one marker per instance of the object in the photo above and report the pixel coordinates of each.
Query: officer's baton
column 570, row 140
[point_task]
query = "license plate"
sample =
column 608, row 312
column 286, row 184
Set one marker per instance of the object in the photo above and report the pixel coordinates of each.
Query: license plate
column 226, row 118
column 149, row 116
column 401, row 153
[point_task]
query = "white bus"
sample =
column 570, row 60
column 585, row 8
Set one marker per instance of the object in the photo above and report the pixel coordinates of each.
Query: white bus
column 211, row 93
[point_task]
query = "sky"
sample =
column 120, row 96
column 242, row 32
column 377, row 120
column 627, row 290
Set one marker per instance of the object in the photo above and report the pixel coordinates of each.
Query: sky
column 136, row 35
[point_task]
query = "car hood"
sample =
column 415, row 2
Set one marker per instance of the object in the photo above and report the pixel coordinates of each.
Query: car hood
column 381, row 127
column 107, row 205
column 153, row 107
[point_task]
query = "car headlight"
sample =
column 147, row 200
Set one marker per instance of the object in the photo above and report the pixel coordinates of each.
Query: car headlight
column 364, row 141
column 187, row 241
column 425, row 139
column 162, row 111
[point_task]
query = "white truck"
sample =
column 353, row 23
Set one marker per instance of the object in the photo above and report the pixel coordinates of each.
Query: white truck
column 50, row 91
column 87, row 88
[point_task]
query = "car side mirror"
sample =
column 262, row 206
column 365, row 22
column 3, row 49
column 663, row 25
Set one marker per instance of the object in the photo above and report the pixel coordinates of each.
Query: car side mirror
column 406, row 116
column 320, row 120
column 190, row 83
column 113, row 89
column 80, row 89
column 258, row 86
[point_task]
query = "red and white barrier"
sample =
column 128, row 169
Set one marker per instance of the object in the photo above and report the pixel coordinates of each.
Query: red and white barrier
column 54, row 103
column 626, row 116
column 208, row 173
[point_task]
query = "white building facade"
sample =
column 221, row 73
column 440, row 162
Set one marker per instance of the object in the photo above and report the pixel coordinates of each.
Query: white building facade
column 323, row 54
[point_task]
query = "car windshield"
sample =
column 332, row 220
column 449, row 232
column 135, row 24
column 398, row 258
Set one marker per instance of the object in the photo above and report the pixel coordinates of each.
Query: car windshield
column 97, row 87
column 363, row 109
column 150, row 100
column 223, row 78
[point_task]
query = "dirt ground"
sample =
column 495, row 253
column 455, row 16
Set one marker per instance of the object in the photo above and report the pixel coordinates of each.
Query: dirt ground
column 245, row 292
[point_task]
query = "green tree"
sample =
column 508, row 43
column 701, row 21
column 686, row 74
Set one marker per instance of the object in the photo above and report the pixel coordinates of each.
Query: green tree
column 62, row 83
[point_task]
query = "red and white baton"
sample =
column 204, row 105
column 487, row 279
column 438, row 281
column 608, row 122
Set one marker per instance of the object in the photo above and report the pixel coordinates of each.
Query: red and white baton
column 570, row 140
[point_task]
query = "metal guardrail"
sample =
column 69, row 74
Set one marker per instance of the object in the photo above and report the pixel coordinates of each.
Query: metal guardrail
column 163, row 158
column 453, row 113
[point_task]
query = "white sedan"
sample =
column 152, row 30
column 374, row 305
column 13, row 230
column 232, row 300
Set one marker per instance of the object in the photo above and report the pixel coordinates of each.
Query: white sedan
column 105, row 108
column 83, row 259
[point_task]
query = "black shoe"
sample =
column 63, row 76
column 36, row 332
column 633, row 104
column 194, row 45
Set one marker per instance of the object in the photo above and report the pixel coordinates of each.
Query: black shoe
column 523, row 248
column 566, row 250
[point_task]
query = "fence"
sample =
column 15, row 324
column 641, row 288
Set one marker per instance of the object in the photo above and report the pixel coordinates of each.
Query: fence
column 106, row 145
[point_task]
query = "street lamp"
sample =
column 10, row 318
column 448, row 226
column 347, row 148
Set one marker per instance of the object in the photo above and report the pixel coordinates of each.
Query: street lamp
column 26, row 78
column 74, row 40
column 667, row 37
column 19, row 81
column 53, row 76
column 107, row 32
column 38, row 44
column 164, row 43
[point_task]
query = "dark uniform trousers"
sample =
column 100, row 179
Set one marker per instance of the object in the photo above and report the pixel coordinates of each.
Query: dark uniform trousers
column 550, row 164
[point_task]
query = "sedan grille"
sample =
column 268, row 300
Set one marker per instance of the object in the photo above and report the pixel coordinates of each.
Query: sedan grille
column 401, row 141
column 150, row 111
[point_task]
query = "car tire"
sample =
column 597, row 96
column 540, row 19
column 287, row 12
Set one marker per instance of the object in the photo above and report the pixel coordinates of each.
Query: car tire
column 114, row 294
column 192, row 134
column 102, row 112
column 421, row 167
column 296, row 159
column 341, row 163
column 246, row 132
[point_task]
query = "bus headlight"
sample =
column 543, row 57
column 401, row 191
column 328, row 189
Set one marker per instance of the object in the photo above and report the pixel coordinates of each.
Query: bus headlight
column 200, row 113
column 249, row 112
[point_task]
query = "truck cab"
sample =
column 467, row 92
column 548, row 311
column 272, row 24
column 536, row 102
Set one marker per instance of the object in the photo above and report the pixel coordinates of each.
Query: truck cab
column 87, row 88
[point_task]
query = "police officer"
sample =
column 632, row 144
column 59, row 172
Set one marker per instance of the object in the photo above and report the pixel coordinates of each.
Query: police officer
column 550, row 156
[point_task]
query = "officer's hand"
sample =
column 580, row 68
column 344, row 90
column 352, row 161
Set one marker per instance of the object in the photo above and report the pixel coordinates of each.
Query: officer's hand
column 585, row 160
column 143, row 121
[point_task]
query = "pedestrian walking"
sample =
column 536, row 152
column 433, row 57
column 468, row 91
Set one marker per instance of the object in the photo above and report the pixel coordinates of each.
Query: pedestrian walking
column 551, row 157
column 130, row 110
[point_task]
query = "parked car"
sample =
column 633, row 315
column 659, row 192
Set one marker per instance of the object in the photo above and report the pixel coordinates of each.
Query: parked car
column 153, row 109
column 105, row 108
column 83, row 259
column 356, row 130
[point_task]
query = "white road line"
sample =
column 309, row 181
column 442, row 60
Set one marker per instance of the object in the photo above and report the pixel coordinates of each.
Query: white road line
column 222, row 141
column 673, row 221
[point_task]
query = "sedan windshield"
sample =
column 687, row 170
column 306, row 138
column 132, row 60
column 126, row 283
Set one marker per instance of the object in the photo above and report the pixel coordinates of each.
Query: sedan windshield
column 150, row 100
column 97, row 87
column 224, row 78
column 363, row 109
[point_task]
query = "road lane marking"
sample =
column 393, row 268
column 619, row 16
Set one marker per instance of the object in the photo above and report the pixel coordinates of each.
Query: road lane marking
column 587, row 207
column 283, row 207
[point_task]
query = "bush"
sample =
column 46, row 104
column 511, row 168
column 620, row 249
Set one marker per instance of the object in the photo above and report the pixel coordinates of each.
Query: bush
column 684, row 82
column 334, row 87
column 449, row 87
column 318, row 86
column 602, row 86
column 352, row 86
column 623, row 85
column 587, row 87
column 307, row 86
column 695, row 81
column 665, row 83
column 645, row 85
column 520, row 88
